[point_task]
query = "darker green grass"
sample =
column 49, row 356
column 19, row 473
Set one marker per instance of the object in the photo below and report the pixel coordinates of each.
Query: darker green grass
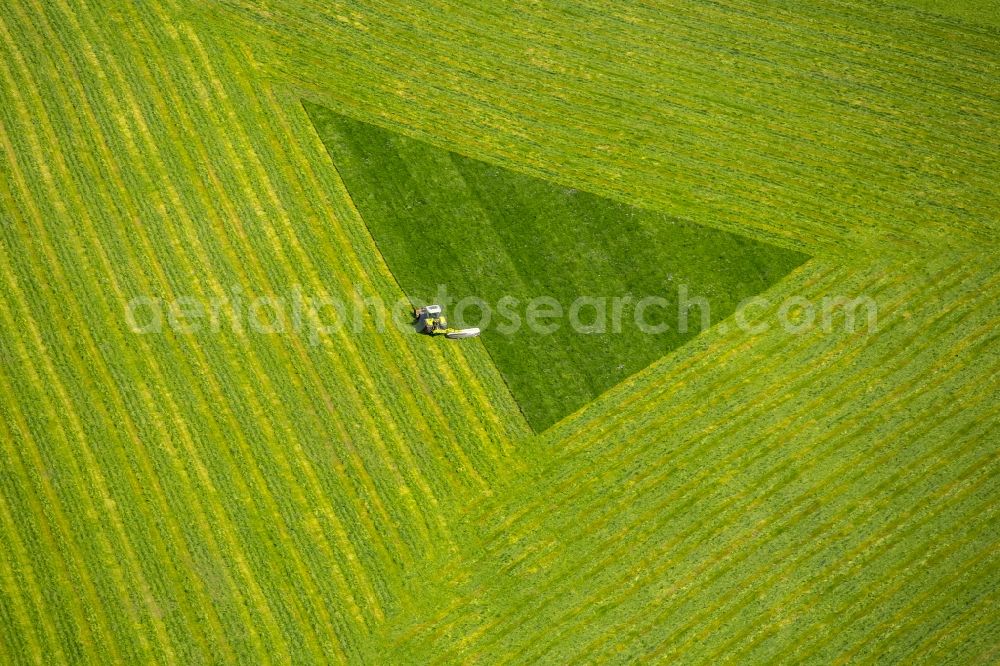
column 443, row 220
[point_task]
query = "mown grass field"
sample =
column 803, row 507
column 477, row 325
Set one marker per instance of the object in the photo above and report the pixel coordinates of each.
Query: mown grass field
column 472, row 230
column 249, row 497
column 181, row 497
column 981, row 12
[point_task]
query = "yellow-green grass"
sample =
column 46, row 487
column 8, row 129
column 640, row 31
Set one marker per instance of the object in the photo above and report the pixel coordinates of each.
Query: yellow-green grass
column 834, row 127
column 502, row 240
column 256, row 498
column 178, row 497
column 752, row 498
column 974, row 12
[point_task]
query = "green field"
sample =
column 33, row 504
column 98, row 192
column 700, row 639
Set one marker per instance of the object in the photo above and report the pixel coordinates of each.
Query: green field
column 981, row 12
column 501, row 239
column 231, row 494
